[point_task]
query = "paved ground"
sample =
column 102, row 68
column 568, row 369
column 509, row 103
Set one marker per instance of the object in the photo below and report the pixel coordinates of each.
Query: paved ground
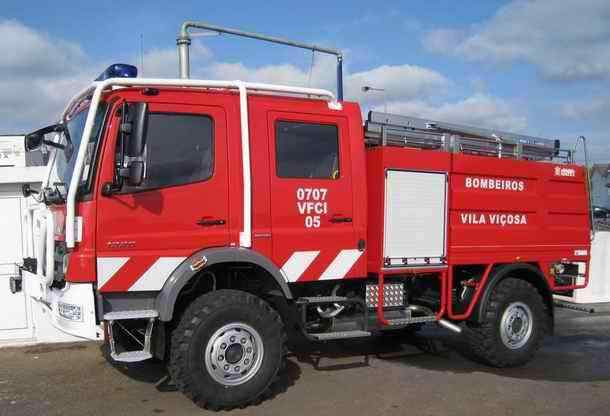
column 570, row 376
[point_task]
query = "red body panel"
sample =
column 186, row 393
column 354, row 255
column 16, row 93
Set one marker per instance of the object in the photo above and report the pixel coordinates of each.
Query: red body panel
column 279, row 228
column 532, row 213
column 498, row 210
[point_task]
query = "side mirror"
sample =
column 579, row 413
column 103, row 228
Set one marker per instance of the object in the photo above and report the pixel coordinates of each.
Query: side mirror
column 133, row 129
column 136, row 173
column 27, row 190
column 138, row 120
column 33, row 141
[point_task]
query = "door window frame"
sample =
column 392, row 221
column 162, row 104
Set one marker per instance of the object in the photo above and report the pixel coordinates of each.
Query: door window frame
column 276, row 143
column 126, row 189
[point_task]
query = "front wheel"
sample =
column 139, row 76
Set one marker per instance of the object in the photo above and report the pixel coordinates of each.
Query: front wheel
column 513, row 326
column 227, row 349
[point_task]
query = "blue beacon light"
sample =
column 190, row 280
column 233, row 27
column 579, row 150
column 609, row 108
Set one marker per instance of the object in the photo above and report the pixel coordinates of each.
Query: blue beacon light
column 118, row 71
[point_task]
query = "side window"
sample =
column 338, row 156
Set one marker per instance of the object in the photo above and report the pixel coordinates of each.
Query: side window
column 306, row 150
column 179, row 150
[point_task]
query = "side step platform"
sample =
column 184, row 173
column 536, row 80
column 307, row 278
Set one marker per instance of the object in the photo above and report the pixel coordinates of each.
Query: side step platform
column 121, row 320
column 326, row 336
column 334, row 300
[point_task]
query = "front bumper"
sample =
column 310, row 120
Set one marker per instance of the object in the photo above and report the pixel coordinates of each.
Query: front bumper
column 71, row 309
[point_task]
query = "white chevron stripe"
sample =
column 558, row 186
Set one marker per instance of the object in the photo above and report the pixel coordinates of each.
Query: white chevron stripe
column 341, row 265
column 297, row 264
column 157, row 274
column 107, row 267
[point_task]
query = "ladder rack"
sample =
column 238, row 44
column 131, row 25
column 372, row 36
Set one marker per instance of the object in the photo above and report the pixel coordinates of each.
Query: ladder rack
column 383, row 129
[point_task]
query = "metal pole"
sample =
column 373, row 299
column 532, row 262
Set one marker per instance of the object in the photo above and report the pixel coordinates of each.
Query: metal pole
column 183, row 56
column 184, row 41
column 583, row 139
column 340, row 77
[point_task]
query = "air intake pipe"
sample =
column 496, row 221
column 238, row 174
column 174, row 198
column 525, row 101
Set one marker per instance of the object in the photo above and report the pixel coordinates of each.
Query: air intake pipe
column 183, row 43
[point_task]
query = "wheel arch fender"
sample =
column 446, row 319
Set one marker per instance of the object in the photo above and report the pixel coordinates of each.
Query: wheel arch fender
column 166, row 299
column 525, row 271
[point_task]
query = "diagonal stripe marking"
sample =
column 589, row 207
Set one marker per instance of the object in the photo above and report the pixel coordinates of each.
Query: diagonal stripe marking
column 107, row 267
column 129, row 274
column 154, row 278
column 341, row 265
column 298, row 262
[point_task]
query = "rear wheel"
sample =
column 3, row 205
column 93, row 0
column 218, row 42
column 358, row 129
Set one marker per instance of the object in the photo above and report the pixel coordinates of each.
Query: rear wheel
column 227, row 349
column 514, row 324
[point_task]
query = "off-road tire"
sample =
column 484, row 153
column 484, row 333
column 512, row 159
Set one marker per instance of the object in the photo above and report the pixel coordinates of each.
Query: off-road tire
column 200, row 320
column 484, row 339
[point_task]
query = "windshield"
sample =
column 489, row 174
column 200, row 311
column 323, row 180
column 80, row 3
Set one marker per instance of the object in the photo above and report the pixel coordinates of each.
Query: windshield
column 65, row 161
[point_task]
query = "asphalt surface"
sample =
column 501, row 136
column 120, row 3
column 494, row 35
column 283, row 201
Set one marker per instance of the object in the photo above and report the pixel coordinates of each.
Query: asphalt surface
column 385, row 376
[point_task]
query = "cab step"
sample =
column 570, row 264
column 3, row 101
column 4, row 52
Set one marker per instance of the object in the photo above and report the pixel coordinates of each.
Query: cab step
column 327, row 336
column 131, row 356
column 137, row 314
column 114, row 320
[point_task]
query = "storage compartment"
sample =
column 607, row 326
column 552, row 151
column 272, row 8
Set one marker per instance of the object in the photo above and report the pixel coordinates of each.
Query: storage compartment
column 415, row 218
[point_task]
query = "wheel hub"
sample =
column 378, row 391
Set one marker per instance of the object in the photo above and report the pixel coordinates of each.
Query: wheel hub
column 234, row 354
column 516, row 325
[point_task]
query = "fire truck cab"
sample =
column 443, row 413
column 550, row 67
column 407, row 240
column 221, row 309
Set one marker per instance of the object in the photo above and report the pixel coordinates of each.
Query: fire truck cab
column 201, row 221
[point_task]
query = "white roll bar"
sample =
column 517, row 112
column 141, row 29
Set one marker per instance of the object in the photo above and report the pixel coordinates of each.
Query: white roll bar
column 97, row 88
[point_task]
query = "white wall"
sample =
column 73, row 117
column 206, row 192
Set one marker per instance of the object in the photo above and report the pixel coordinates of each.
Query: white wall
column 598, row 289
column 12, row 151
column 600, row 192
column 22, row 320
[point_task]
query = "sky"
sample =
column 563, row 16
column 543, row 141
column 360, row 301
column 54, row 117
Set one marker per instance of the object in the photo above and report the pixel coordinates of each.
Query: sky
column 540, row 67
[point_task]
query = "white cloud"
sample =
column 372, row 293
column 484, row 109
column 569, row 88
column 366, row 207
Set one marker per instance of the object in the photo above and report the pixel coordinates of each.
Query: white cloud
column 26, row 52
column 479, row 110
column 399, row 82
column 37, row 95
column 566, row 40
column 163, row 63
column 592, row 109
column 38, row 75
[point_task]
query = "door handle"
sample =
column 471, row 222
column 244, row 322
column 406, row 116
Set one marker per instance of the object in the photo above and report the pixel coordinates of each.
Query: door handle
column 208, row 222
column 338, row 219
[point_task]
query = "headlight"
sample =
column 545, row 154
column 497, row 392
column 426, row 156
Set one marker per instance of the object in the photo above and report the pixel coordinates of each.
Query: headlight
column 559, row 268
column 70, row 311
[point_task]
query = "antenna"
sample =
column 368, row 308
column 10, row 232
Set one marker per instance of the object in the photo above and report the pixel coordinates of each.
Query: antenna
column 141, row 54
column 313, row 56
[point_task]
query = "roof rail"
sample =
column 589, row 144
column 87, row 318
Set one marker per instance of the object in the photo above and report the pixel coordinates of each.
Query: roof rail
column 383, row 129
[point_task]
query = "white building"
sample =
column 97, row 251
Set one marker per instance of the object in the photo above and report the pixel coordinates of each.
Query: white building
column 600, row 184
column 21, row 319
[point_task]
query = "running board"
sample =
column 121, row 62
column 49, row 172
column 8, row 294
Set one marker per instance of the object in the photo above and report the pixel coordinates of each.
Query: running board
column 410, row 321
column 327, row 336
column 112, row 318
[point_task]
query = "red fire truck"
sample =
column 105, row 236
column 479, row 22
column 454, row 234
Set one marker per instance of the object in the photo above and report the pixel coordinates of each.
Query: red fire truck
column 197, row 221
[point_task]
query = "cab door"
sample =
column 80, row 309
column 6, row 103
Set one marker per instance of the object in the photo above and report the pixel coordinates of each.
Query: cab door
column 145, row 232
column 313, row 234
